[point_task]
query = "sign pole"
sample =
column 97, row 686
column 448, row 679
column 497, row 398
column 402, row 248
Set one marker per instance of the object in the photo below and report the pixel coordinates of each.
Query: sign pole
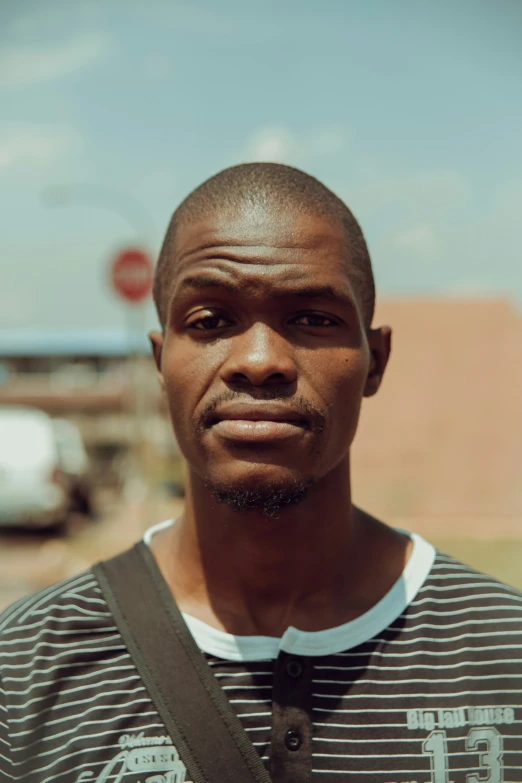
column 131, row 276
column 135, row 488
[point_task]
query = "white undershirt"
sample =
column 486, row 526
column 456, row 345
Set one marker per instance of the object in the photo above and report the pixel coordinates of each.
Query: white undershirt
column 328, row 642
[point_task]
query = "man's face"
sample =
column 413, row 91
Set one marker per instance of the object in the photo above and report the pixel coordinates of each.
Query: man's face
column 264, row 359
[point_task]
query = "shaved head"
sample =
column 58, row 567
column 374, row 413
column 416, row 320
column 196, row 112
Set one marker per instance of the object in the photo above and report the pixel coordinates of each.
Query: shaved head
column 269, row 186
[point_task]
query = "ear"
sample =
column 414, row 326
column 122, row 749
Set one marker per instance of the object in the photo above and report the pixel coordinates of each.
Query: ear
column 156, row 341
column 379, row 341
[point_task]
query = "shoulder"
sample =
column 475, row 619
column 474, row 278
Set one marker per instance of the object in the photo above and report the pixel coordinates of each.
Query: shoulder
column 51, row 623
column 80, row 594
column 459, row 602
column 449, row 578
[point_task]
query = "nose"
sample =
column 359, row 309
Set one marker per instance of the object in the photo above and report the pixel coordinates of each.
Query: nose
column 259, row 356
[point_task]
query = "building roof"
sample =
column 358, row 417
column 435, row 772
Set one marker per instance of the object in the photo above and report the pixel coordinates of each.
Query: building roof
column 18, row 342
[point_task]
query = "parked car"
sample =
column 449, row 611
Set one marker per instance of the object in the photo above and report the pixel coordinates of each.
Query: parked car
column 74, row 463
column 32, row 488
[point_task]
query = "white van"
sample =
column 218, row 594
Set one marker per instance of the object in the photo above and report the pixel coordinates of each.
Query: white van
column 33, row 489
column 74, row 462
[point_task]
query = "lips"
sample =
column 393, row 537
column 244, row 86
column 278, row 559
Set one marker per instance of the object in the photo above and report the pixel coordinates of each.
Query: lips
column 260, row 412
column 248, row 423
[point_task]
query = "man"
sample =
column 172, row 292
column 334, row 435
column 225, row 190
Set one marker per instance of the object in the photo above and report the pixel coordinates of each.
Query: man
column 350, row 650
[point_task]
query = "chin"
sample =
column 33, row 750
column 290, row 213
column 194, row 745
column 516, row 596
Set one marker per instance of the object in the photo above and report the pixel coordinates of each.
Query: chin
column 268, row 492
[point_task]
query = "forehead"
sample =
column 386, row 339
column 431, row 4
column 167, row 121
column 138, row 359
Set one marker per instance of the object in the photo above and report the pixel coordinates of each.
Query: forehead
column 261, row 242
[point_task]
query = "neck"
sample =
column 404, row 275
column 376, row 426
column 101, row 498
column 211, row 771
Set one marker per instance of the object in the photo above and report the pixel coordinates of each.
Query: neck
column 316, row 565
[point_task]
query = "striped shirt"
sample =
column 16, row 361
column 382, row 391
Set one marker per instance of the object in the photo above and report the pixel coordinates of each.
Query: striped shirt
column 424, row 688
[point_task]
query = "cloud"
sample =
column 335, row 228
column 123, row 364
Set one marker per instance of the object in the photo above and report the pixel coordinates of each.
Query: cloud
column 326, row 141
column 423, row 192
column 271, row 144
column 24, row 66
column 27, row 146
column 276, row 143
column 420, row 239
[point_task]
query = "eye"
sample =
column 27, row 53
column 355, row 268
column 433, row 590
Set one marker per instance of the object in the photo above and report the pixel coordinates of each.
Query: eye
column 314, row 319
column 209, row 322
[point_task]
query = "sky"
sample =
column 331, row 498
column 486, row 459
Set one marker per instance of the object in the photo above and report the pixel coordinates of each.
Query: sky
column 409, row 110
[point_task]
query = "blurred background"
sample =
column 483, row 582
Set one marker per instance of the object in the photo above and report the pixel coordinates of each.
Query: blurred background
column 113, row 111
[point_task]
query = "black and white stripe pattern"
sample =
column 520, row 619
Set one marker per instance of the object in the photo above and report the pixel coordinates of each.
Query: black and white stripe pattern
column 437, row 696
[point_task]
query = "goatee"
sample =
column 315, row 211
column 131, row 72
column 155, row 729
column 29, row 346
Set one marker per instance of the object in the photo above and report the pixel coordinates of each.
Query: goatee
column 270, row 499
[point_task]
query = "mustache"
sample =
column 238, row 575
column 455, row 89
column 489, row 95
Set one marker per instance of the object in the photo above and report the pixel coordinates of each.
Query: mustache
column 296, row 402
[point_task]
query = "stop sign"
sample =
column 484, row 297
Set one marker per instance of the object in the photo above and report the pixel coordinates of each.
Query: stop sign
column 131, row 274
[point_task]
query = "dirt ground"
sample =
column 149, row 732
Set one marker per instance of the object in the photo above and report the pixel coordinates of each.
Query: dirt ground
column 30, row 561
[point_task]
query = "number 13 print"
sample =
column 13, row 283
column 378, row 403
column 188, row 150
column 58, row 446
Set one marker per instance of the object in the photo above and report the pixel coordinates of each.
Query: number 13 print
column 487, row 741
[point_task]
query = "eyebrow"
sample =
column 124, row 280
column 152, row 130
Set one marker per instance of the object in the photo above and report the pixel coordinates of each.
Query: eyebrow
column 326, row 291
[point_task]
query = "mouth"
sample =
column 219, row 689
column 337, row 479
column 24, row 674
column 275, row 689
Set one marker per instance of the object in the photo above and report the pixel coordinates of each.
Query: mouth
column 258, row 423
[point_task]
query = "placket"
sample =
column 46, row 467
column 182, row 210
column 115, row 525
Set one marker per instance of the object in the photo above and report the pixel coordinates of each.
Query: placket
column 291, row 740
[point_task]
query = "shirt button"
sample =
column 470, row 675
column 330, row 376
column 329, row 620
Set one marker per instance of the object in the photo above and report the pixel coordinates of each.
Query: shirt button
column 294, row 668
column 293, row 740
